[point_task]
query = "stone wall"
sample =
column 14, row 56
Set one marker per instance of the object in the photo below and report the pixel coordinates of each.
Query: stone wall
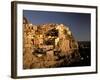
column 48, row 45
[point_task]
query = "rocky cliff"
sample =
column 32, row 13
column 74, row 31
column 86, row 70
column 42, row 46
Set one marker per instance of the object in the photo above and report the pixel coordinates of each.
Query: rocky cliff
column 48, row 45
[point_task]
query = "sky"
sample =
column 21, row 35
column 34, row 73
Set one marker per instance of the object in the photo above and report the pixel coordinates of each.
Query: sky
column 79, row 23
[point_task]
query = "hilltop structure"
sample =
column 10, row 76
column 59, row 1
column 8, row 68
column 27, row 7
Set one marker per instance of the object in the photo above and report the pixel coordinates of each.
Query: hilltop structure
column 48, row 45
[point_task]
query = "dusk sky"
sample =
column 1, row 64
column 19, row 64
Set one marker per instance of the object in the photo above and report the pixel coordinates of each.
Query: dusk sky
column 79, row 23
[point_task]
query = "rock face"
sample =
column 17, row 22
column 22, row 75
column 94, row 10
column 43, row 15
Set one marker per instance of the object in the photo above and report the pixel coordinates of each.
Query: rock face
column 48, row 45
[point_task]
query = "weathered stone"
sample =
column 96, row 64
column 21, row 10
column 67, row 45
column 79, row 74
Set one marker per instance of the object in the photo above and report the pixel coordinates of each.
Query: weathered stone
column 55, row 44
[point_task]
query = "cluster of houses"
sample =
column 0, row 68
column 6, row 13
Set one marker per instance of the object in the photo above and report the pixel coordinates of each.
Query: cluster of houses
column 47, row 45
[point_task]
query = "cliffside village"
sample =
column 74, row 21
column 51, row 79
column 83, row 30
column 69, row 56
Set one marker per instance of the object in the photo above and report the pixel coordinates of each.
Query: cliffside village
column 48, row 46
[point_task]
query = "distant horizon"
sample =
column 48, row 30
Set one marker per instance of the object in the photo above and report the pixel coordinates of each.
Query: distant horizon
column 78, row 23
